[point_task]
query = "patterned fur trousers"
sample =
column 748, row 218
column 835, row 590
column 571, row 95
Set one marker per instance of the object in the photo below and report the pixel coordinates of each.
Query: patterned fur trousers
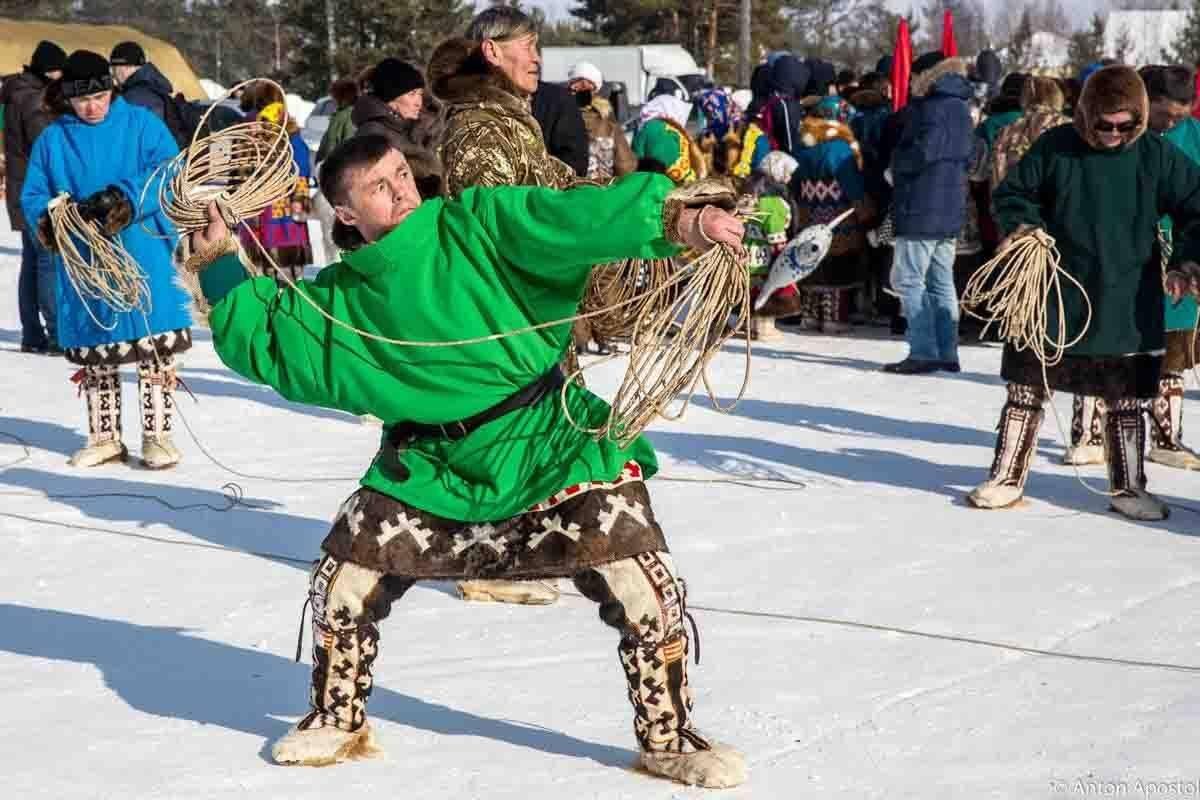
column 101, row 387
column 639, row 596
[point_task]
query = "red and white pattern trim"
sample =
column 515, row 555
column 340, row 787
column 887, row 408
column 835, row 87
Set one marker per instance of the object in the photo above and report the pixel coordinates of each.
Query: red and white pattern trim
column 632, row 471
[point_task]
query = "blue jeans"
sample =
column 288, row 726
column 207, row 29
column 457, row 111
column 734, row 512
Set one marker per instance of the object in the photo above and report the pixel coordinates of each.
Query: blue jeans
column 923, row 276
column 35, row 293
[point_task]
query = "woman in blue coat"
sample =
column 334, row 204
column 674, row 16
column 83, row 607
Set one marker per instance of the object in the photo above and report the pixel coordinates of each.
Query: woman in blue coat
column 102, row 152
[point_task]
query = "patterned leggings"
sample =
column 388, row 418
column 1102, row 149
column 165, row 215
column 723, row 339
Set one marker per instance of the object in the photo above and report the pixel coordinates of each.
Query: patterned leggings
column 639, row 596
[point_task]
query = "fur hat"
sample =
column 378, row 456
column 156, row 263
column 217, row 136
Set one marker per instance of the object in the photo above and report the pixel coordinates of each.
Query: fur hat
column 1112, row 90
column 127, row 54
column 47, row 57
column 85, row 73
column 1040, row 92
column 393, row 77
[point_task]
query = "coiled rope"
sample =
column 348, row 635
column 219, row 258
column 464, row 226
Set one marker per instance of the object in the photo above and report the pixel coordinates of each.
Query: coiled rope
column 106, row 273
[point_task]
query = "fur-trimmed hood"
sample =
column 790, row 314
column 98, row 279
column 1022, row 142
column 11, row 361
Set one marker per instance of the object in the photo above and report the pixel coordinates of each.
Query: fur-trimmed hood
column 925, row 83
column 459, row 75
column 816, row 131
column 1109, row 91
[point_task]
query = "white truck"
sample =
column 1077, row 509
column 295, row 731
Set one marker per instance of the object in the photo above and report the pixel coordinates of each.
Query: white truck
column 637, row 67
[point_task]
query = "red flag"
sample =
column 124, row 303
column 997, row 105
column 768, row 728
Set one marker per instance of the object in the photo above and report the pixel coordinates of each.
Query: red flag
column 901, row 66
column 949, row 46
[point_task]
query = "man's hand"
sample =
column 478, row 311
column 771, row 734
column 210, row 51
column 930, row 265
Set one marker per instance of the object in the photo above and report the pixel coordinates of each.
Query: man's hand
column 217, row 230
column 701, row 228
column 1183, row 281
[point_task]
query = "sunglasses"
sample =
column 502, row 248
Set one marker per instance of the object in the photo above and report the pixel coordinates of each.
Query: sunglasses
column 1103, row 126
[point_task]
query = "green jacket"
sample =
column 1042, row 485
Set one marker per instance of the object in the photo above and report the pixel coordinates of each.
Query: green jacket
column 341, row 128
column 990, row 128
column 1103, row 209
column 495, row 259
column 1185, row 136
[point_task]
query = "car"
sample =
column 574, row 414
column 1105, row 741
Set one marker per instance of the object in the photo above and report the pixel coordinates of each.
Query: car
column 318, row 122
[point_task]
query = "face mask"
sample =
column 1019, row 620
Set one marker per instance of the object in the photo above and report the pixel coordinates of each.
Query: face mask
column 583, row 99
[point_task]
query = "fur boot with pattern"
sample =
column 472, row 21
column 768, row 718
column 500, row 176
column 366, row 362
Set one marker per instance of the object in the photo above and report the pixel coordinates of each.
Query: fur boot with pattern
column 1124, row 448
column 102, row 388
column 1166, row 426
column 1087, row 431
column 347, row 602
column 156, row 388
column 1016, row 442
column 642, row 598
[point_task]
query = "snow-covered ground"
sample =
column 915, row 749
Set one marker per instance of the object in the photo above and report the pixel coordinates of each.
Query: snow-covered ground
column 146, row 644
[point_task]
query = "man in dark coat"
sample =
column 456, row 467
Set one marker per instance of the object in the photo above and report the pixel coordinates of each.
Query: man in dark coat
column 929, row 168
column 140, row 82
column 555, row 109
column 24, row 120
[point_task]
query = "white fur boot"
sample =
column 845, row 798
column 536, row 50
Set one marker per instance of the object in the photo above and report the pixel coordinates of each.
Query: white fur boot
column 156, row 388
column 1015, row 442
column 527, row 593
column 1166, row 426
column 1087, row 431
column 323, row 746
column 102, row 388
column 718, row 767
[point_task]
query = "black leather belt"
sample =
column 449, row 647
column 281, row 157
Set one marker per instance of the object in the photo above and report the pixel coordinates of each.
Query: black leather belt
column 400, row 434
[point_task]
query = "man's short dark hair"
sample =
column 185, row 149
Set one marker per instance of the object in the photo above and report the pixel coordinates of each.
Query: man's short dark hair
column 357, row 152
column 1170, row 83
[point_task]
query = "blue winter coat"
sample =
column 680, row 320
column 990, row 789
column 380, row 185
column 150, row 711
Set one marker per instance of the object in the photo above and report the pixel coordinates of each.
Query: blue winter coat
column 929, row 164
column 81, row 159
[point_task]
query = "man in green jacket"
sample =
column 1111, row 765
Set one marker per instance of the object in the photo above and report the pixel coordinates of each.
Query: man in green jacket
column 482, row 473
column 1099, row 187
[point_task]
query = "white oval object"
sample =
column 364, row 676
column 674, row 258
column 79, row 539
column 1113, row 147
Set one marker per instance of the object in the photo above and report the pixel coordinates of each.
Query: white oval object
column 799, row 258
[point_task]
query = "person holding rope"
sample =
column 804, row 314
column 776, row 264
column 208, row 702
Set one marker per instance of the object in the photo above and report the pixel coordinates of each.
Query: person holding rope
column 1099, row 187
column 486, row 80
column 486, row 469
column 102, row 152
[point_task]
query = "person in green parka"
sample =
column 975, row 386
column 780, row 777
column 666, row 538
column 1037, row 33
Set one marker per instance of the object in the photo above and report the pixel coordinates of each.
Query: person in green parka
column 1099, row 187
column 480, row 473
column 1172, row 93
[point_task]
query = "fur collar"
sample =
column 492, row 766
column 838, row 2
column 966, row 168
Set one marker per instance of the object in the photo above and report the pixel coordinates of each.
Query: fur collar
column 923, row 84
column 1108, row 91
column 815, row 131
column 459, row 76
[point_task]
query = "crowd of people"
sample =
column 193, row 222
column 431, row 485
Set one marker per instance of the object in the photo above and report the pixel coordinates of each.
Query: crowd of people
column 471, row 198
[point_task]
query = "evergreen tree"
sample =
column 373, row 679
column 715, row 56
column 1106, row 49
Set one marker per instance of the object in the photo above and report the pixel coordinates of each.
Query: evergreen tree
column 1087, row 46
column 1187, row 41
column 366, row 31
